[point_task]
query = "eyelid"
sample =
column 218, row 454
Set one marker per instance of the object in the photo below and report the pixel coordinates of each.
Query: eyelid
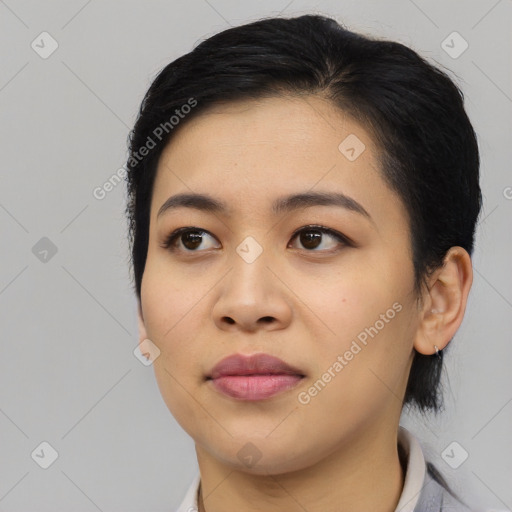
column 172, row 237
column 324, row 229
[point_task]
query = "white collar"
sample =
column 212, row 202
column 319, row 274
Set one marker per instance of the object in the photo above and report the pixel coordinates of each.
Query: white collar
column 413, row 482
column 415, row 471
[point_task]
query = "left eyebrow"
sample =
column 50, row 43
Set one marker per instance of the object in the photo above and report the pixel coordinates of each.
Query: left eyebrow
column 307, row 199
column 204, row 202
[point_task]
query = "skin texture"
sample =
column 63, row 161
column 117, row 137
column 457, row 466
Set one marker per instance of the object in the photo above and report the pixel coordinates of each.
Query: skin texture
column 303, row 305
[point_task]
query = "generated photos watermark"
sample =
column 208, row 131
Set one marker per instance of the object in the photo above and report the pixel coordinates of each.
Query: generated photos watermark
column 157, row 135
column 304, row 397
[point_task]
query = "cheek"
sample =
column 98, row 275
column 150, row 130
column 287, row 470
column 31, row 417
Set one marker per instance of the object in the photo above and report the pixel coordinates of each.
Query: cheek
column 347, row 301
column 362, row 372
column 167, row 297
column 173, row 319
column 365, row 315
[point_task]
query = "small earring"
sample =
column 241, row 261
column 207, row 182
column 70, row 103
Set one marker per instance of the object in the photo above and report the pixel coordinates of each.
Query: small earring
column 437, row 350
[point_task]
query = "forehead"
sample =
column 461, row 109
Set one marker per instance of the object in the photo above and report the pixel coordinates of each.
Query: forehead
column 249, row 152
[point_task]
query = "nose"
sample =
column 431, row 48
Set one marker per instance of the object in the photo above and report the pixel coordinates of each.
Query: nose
column 252, row 297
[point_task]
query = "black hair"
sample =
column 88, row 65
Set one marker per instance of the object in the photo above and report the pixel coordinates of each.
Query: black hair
column 427, row 147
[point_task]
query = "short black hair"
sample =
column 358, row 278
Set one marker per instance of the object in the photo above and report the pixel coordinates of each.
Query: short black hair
column 427, row 147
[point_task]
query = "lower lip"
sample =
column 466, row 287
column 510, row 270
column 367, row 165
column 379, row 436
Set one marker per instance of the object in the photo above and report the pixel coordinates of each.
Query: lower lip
column 255, row 387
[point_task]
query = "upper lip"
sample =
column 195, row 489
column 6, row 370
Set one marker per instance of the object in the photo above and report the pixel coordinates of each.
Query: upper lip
column 255, row 364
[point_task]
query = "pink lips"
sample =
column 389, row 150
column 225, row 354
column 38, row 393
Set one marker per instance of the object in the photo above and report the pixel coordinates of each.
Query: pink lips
column 254, row 377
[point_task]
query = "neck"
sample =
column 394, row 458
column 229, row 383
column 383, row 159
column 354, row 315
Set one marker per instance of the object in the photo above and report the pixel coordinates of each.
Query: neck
column 365, row 474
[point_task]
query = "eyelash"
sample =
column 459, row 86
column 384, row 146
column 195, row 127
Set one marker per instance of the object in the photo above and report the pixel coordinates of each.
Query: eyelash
column 170, row 242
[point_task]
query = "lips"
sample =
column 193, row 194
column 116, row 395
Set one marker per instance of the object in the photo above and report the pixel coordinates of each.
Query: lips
column 255, row 377
column 256, row 364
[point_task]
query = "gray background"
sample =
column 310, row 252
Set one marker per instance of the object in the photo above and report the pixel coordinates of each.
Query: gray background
column 68, row 375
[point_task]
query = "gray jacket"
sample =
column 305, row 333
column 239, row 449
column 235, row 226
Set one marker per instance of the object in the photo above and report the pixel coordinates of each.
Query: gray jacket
column 436, row 496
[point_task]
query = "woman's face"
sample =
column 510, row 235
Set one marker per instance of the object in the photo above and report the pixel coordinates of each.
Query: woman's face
column 342, row 311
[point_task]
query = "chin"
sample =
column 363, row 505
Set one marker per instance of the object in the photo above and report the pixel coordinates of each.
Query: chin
column 261, row 456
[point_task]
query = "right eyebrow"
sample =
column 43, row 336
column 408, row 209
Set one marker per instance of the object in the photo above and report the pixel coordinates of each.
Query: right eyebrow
column 201, row 202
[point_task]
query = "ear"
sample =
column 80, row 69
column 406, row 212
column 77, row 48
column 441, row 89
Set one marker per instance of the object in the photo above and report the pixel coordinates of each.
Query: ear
column 444, row 302
column 142, row 328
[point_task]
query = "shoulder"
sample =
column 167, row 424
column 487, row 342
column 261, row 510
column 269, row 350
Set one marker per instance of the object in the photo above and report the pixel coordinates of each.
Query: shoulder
column 425, row 489
column 436, row 495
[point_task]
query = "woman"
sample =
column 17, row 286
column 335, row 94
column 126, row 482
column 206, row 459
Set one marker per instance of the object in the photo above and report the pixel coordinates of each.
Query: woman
column 302, row 207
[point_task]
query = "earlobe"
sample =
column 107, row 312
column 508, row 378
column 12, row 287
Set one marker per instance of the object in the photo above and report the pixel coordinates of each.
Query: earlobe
column 445, row 302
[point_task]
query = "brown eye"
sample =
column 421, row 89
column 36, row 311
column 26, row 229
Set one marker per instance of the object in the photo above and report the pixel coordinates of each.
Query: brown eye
column 313, row 237
column 190, row 239
column 310, row 239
